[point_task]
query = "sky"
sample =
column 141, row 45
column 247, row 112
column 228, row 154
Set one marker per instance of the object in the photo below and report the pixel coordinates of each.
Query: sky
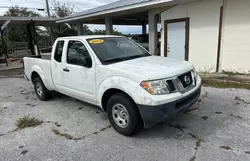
column 78, row 5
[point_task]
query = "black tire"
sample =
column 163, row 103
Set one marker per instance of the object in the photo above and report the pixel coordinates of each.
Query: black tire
column 45, row 94
column 134, row 123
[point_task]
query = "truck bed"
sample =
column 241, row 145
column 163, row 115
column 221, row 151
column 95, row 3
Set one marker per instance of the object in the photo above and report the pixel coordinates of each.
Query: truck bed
column 42, row 65
column 44, row 56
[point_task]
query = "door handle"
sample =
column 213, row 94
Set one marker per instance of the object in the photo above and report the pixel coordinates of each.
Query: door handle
column 66, row 69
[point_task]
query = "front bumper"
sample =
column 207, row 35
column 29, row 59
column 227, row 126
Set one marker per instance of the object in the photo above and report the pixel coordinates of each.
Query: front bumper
column 152, row 115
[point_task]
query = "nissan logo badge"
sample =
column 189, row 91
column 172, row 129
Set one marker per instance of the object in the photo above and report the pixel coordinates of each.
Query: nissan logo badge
column 187, row 79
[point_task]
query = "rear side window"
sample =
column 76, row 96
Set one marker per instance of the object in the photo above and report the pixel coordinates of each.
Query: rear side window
column 59, row 51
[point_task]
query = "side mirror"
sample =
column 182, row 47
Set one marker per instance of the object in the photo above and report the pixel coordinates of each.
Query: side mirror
column 85, row 61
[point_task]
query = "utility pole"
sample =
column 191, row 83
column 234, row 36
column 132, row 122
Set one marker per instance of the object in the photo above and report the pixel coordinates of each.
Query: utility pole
column 48, row 11
column 47, row 6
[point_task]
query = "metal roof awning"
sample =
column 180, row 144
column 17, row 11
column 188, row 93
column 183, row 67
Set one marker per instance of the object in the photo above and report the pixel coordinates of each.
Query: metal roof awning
column 38, row 21
column 122, row 12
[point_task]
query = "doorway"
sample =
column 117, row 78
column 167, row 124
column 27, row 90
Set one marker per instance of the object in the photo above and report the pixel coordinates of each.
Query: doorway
column 176, row 44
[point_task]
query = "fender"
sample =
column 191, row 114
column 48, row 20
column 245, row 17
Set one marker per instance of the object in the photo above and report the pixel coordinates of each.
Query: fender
column 117, row 82
column 36, row 68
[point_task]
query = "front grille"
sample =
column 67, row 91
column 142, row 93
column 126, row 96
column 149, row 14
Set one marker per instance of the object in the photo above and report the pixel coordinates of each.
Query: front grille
column 171, row 85
column 186, row 79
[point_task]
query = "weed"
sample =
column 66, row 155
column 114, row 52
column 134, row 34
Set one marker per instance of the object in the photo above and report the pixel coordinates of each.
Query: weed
column 195, row 136
column 193, row 158
column 24, row 152
column 178, row 126
column 247, row 152
column 190, row 110
column 226, row 147
column 28, row 121
column 240, row 100
column 80, row 108
column 204, row 117
column 67, row 136
column 239, row 117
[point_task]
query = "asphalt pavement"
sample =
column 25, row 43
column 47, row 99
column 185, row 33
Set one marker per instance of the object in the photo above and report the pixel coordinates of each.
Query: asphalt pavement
column 217, row 127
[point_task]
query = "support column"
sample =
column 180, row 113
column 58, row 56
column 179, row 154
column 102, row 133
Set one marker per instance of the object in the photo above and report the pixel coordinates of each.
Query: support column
column 109, row 25
column 79, row 29
column 144, row 28
column 152, row 22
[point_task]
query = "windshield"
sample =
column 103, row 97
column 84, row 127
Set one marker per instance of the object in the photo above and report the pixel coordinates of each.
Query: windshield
column 116, row 49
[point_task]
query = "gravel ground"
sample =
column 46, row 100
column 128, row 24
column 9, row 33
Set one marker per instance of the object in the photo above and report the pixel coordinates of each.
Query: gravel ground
column 217, row 127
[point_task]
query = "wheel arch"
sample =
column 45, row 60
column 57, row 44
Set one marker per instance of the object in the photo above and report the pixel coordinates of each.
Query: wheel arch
column 109, row 93
column 34, row 74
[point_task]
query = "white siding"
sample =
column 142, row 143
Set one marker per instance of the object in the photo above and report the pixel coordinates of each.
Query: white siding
column 204, row 29
column 236, row 36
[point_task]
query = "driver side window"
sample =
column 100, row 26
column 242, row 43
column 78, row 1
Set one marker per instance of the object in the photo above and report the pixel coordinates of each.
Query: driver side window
column 76, row 53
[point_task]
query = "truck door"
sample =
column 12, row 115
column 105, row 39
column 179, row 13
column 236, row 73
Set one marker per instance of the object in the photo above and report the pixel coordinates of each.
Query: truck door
column 79, row 71
column 56, row 64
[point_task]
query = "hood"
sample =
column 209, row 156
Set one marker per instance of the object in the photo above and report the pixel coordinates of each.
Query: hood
column 154, row 67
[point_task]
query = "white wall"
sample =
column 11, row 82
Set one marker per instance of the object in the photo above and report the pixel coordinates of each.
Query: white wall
column 236, row 36
column 204, row 29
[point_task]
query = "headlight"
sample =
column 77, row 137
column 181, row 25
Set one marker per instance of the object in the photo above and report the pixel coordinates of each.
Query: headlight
column 194, row 72
column 157, row 87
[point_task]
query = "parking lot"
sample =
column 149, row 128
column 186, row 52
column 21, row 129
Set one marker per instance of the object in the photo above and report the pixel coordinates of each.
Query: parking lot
column 217, row 127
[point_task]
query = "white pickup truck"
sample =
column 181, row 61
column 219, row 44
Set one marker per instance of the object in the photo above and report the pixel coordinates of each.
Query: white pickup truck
column 135, row 88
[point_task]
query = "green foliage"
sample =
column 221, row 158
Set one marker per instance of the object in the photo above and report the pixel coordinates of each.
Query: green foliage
column 19, row 33
column 61, row 10
column 64, row 10
column 103, row 32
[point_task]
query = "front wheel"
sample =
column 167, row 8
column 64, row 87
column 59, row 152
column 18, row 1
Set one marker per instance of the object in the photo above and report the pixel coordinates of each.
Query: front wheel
column 123, row 114
column 41, row 91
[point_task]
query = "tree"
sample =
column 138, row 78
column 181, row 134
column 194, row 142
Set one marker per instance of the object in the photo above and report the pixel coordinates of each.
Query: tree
column 19, row 33
column 63, row 10
column 103, row 32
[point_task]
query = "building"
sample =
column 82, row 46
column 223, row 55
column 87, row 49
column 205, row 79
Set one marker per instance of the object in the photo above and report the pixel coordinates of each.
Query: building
column 212, row 34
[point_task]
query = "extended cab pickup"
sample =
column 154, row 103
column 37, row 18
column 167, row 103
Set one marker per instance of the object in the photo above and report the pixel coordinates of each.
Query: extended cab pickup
column 135, row 88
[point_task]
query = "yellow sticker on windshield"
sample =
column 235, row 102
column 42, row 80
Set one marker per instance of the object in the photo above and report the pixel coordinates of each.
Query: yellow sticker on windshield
column 96, row 41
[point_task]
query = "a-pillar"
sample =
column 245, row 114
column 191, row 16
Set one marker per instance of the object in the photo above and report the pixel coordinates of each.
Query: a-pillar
column 152, row 22
column 109, row 25
column 144, row 28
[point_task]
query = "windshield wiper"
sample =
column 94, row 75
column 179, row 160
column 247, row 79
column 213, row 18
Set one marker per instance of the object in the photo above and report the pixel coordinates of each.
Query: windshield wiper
column 115, row 60
column 135, row 56
column 124, row 58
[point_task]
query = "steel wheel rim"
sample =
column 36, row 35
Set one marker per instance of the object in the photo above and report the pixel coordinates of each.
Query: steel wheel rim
column 39, row 89
column 120, row 115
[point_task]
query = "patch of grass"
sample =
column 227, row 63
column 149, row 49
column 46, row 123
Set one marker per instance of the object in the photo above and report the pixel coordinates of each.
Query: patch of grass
column 193, row 158
column 226, row 147
column 190, row 110
column 198, row 144
column 237, row 98
column 232, row 73
column 195, row 136
column 206, row 82
column 67, row 136
column 219, row 113
column 204, row 117
column 178, row 126
column 247, row 152
column 27, row 121
column 24, row 152
column 239, row 117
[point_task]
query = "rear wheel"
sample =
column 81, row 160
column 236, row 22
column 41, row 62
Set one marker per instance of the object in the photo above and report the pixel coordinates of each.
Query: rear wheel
column 123, row 114
column 41, row 91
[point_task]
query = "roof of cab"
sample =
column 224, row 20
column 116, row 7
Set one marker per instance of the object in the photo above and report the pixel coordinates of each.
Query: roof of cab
column 88, row 37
